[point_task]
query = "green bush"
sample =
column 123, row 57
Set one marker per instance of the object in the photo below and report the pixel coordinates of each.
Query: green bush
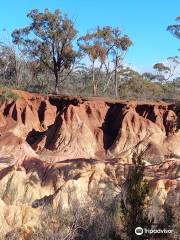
column 8, row 95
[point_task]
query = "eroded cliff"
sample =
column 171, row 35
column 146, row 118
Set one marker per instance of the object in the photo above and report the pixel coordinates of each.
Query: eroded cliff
column 55, row 149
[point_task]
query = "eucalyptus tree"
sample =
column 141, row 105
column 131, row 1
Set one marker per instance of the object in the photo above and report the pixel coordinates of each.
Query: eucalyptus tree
column 161, row 70
column 117, row 46
column 49, row 39
column 13, row 65
column 174, row 29
column 92, row 45
column 165, row 72
column 107, row 46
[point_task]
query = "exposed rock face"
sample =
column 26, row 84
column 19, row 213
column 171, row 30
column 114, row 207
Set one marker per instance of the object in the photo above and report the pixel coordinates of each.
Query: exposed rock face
column 24, row 194
column 32, row 112
column 54, row 150
column 77, row 132
column 135, row 130
column 15, row 149
column 73, row 128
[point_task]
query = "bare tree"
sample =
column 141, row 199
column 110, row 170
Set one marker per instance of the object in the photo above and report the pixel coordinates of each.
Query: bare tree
column 13, row 63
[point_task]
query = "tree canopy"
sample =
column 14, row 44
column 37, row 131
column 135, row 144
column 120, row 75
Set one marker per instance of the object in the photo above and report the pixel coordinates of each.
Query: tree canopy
column 174, row 29
column 49, row 39
column 107, row 46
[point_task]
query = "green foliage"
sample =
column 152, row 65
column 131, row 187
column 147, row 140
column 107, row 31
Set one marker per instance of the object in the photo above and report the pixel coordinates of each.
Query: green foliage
column 134, row 86
column 8, row 95
column 134, row 206
column 48, row 39
column 92, row 45
column 106, row 46
column 160, row 67
column 148, row 76
column 170, row 221
column 104, row 41
column 175, row 28
column 46, row 51
column 161, row 72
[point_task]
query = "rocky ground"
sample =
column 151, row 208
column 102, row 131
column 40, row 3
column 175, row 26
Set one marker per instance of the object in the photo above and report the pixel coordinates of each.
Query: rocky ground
column 56, row 149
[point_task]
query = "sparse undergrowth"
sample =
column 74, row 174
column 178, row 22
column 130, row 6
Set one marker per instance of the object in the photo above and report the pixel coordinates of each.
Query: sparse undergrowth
column 7, row 95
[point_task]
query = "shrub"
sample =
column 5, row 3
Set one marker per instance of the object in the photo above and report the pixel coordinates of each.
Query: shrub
column 8, row 95
column 134, row 205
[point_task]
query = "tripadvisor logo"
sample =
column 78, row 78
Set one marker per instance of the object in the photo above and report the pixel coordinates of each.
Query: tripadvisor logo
column 139, row 231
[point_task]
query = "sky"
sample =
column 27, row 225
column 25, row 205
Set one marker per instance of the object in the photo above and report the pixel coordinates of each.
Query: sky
column 144, row 21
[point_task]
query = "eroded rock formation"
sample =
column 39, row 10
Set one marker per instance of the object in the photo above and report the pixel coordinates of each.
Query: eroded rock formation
column 56, row 149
